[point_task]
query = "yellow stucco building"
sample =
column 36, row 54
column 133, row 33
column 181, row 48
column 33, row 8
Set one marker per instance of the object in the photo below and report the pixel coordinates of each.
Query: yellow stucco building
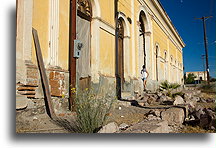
column 109, row 55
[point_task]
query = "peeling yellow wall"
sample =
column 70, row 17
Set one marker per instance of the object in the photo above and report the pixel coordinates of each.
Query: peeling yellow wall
column 160, row 38
column 64, row 33
column 40, row 21
column 107, row 11
column 107, row 54
column 172, row 50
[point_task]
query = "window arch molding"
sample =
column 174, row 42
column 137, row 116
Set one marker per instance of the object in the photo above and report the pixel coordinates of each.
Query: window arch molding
column 125, row 23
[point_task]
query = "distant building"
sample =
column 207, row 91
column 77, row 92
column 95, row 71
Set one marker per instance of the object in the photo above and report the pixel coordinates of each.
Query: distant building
column 200, row 76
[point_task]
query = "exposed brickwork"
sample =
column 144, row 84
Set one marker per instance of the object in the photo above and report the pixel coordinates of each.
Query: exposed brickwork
column 57, row 83
column 56, row 77
column 26, row 90
column 32, row 74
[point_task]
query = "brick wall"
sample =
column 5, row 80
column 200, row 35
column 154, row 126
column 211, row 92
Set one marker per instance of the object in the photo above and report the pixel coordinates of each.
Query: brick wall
column 57, row 83
column 56, row 77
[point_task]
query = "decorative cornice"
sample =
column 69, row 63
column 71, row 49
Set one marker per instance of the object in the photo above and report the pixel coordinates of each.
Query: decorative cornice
column 166, row 19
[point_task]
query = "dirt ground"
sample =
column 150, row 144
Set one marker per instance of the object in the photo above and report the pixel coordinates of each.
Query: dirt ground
column 30, row 121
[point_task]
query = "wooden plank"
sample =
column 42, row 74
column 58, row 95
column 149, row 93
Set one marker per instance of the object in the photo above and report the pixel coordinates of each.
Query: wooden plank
column 45, row 85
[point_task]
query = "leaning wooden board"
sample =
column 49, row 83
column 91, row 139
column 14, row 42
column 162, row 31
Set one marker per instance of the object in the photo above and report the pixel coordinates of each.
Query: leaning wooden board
column 45, row 84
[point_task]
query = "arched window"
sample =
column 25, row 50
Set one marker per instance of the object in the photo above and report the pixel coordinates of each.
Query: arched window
column 165, row 56
column 142, row 31
column 165, row 65
column 157, row 55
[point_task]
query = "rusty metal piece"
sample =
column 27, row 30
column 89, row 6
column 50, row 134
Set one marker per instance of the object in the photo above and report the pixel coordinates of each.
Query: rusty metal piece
column 45, row 84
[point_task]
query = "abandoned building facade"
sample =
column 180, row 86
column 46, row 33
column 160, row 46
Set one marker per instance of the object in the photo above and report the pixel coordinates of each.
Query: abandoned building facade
column 117, row 38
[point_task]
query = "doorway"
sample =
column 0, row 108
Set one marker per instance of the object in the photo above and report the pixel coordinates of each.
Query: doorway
column 121, row 53
column 84, row 16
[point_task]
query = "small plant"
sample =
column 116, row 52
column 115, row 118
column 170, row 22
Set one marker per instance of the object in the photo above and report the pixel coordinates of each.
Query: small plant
column 169, row 88
column 208, row 88
column 92, row 111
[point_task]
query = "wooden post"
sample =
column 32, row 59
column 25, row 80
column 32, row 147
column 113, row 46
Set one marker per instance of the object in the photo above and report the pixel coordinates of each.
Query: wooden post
column 45, row 84
column 72, row 60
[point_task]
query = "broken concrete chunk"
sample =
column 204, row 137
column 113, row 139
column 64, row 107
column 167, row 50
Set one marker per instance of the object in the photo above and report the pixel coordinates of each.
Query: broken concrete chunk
column 109, row 128
column 178, row 100
column 21, row 102
column 174, row 116
column 153, row 126
column 123, row 126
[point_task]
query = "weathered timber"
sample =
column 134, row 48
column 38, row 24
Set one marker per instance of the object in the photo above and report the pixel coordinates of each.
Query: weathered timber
column 45, row 85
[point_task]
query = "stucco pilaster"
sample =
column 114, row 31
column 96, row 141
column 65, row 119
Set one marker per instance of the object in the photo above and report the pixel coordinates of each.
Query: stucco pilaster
column 23, row 38
column 95, row 49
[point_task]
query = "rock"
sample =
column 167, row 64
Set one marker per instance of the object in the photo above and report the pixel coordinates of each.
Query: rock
column 207, row 118
column 178, row 100
column 191, row 103
column 21, row 102
column 202, row 100
column 109, row 128
column 151, row 117
column 159, row 94
column 192, row 118
column 199, row 107
column 165, row 100
column 163, row 127
column 213, row 123
column 154, row 113
column 162, row 98
column 146, row 104
column 205, row 121
column 195, row 98
column 153, row 95
column 212, row 128
column 146, row 126
column 151, row 100
column 157, row 113
column 210, row 100
column 174, row 116
column 123, row 126
column 187, row 95
column 199, row 113
column 144, row 98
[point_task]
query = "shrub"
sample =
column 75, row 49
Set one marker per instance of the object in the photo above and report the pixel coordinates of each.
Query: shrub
column 92, row 111
column 208, row 88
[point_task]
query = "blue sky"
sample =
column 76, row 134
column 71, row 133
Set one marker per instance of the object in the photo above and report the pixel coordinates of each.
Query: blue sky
column 182, row 14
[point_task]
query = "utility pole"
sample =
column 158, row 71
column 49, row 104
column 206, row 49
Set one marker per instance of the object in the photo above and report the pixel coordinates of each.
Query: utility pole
column 204, row 69
column 206, row 45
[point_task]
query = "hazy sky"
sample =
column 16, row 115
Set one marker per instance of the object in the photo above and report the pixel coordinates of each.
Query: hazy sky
column 183, row 14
